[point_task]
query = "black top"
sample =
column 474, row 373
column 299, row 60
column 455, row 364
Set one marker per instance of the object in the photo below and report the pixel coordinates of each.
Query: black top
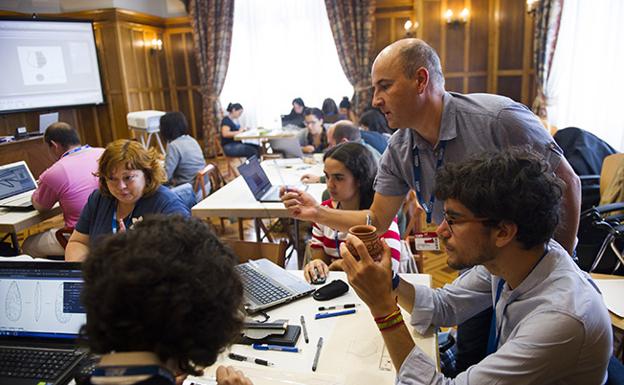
column 233, row 127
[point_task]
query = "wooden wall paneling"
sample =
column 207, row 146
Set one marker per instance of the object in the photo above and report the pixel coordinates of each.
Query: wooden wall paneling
column 510, row 86
column 477, row 84
column 193, row 82
column 455, row 84
column 511, row 27
column 527, row 61
column 431, row 28
column 478, row 37
column 382, row 34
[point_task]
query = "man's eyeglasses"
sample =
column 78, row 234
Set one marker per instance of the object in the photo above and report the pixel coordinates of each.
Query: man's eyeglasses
column 450, row 221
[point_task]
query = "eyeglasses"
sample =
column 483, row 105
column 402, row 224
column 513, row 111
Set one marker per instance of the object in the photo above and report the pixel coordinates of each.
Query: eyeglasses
column 310, row 122
column 126, row 179
column 458, row 221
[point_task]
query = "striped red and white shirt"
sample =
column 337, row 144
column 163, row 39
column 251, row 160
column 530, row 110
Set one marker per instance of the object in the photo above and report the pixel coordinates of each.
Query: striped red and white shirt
column 329, row 239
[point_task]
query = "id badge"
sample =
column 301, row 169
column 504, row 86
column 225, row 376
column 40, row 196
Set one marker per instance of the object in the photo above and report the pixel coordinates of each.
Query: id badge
column 426, row 241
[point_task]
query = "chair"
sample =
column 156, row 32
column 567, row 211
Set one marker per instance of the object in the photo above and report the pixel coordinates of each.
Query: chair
column 220, row 154
column 63, row 234
column 211, row 171
column 245, row 250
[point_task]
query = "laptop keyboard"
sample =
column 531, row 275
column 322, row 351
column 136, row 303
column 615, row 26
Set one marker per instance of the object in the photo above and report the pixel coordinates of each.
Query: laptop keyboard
column 30, row 363
column 258, row 287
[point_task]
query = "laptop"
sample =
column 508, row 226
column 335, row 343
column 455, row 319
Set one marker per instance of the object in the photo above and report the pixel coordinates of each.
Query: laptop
column 288, row 146
column 267, row 285
column 258, row 181
column 17, row 185
column 40, row 321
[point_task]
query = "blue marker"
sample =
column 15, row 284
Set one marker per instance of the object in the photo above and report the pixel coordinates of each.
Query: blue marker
column 292, row 349
column 335, row 314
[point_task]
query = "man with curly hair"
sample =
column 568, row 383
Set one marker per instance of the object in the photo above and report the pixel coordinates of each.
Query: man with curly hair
column 162, row 302
column 550, row 325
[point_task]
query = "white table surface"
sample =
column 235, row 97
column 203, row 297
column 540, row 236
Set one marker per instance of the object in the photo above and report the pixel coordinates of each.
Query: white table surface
column 15, row 221
column 264, row 134
column 236, row 200
column 353, row 351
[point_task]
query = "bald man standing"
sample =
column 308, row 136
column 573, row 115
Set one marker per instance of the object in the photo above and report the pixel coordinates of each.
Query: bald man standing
column 437, row 127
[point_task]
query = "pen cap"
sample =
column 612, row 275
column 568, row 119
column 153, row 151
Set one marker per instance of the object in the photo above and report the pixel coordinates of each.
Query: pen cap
column 368, row 235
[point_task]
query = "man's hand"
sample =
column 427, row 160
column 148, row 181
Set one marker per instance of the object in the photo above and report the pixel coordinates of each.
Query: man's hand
column 300, row 204
column 315, row 266
column 310, row 178
column 227, row 375
column 372, row 281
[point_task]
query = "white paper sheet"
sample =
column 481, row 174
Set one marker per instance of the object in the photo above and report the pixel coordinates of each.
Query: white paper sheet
column 612, row 290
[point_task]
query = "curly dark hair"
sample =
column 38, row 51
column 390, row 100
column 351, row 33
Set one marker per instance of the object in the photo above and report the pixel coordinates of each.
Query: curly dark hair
column 168, row 287
column 514, row 185
column 361, row 163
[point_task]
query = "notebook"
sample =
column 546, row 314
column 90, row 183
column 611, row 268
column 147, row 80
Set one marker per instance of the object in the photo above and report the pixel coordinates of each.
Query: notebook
column 267, row 285
column 258, row 182
column 39, row 322
column 17, row 185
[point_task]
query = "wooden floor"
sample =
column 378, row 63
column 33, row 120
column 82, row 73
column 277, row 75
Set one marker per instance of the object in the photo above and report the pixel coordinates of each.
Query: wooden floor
column 434, row 263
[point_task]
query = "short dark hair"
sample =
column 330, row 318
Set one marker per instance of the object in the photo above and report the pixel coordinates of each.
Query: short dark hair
column 234, row 107
column 513, row 185
column 418, row 54
column 313, row 111
column 346, row 130
column 345, row 103
column 173, row 125
column 374, row 120
column 61, row 133
column 168, row 286
column 361, row 163
column 299, row 101
column 329, row 107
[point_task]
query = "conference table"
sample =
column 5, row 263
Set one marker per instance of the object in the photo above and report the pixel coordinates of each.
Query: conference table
column 353, row 351
column 13, row 221
column 265, row 134
column 236, row 200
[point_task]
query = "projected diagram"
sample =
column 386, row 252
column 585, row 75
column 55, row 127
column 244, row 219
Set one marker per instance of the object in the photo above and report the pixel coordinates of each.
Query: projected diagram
column 58, row 306
column 37, row 302
column 42, row 65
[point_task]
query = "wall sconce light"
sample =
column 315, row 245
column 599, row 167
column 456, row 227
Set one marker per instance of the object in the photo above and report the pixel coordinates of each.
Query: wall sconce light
column 532, row 6
column 410, row 28
column 453, row 20
column 155, row 44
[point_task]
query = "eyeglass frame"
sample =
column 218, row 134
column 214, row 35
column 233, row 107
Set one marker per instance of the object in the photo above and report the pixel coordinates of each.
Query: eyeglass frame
column 126, row 179
column 450, row 221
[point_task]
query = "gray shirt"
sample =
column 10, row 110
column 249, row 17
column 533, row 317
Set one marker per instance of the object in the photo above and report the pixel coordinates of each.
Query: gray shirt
column 470, row 124
column 554, row 327
column 184, row 160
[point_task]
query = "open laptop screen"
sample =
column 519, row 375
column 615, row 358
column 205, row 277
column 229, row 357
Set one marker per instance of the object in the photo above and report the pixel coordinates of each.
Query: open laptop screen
column 41, row 301
column 255, row 177
column 15, row 179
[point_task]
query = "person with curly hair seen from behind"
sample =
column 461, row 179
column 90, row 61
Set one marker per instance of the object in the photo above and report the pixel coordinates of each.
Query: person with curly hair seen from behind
column 130, row 180
column 191, row 314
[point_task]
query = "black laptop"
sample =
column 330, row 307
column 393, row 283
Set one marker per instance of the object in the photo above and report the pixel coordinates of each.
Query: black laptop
column 39, row 322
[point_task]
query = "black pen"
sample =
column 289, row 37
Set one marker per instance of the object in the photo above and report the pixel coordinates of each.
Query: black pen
column 238, row 357
column 305, row 330
column 319, row 345
column 336, row 307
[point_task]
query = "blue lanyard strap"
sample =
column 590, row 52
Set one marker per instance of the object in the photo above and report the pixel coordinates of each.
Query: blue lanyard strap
column 121, row 371
column 114, row 224
column 427, row 206
column 73, row 150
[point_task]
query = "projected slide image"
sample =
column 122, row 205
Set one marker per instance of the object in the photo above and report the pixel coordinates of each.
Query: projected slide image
column 42, row 65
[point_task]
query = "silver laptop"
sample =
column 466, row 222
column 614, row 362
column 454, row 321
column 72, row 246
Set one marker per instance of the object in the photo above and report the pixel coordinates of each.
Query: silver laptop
column 258, row 181
column 267, row 285
column 288, row 146
column 17, row 185
column 40, row 319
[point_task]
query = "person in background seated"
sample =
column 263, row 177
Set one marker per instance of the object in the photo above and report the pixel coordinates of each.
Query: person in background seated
column 162, row 302
column 350, row 171
column 550, row 324
column 330, row 111
column 313, row 138
column 295, row 117
column 345, row 131
column 345, row 110
column 130, row 179
column 69, row 181
column 184, row 158
column 375, row 129
column 229, row 128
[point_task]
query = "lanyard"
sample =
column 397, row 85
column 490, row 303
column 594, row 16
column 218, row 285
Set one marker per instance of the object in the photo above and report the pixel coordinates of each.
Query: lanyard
column 336, row 236
column 428, row 207
column 494, row 336
column 120, row 371
column 114, row 224
column 75, row 150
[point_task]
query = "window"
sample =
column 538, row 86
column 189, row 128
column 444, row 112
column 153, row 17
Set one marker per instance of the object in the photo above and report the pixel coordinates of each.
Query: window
column 281, row 49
